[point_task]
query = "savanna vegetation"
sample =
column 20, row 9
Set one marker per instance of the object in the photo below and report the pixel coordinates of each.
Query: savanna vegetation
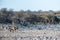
column 28, row 17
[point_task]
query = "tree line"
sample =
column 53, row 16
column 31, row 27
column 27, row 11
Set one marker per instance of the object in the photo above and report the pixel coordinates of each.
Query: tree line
column 28, row 17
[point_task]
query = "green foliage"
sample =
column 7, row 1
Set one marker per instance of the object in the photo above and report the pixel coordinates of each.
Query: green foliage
column 27, row 16
column 56, row 19
column 50, row 17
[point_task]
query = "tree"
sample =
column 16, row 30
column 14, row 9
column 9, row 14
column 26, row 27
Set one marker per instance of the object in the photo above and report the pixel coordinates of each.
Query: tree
column 10, row 13
column 4, row 10
column 50, row 18
column 56, row 20
column 28, row 11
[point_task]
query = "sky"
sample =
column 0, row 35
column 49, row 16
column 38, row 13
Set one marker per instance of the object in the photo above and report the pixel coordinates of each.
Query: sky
column 44, row 5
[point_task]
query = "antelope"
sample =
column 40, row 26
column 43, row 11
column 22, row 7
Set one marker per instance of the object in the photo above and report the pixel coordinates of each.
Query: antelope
column 13, row 29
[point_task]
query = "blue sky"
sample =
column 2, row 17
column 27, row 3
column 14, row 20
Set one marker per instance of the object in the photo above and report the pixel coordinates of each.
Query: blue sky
column 44, row 5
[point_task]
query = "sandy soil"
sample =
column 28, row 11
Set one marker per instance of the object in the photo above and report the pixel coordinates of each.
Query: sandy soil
column 30, row 35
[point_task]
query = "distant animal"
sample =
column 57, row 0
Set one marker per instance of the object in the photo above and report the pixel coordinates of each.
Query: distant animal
column 13, row 29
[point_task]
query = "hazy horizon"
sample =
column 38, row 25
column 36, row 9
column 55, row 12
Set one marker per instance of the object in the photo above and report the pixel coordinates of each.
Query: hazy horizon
column 33, row 5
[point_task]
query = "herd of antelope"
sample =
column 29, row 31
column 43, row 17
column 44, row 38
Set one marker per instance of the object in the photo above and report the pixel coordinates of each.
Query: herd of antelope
column 9, row 28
